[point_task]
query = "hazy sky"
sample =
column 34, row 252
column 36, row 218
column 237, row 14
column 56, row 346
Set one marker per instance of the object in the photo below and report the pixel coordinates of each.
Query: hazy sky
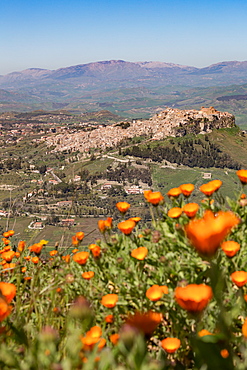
column 59, row 33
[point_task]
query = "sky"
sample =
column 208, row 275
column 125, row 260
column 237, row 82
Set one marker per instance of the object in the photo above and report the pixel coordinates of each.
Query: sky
column 52, row 34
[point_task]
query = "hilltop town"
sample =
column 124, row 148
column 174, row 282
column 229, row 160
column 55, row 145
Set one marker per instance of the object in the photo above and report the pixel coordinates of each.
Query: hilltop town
column 170, row 122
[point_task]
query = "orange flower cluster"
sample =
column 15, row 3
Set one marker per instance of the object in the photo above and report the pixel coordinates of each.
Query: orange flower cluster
column 146, row 322
column 109, row 319
column 175, row 212
column 242, row 175
column 8, row 233
column 153, row 197
column 207, row 233
column 87, row 275
column 155, row 292
column 211, row 187
column 126, row 226
column 230, row 248
column 174, row 192
column 204, row 332
column 95, row 249
column 21, row 246
column 193, row 297
column 170, row 345
column 239, row 278
column 81, row 257
column 93, row 337
column 191, row 209
column 36, row 248
column 66, row 258
column 123, row 207
column 7, row 293
column 187, row 189
column 114, row 338
column 139, row 253
column 104, row 225
column 77, row 238
column 109, row 300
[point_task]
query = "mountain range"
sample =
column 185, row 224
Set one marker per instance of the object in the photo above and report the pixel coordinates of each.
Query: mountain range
column 126, row 88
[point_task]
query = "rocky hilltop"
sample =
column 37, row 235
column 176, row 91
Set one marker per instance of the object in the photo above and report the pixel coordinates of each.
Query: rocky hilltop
column 170, row 122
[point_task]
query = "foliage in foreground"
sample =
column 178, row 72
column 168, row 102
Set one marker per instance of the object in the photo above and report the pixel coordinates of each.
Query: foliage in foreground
column 171, row 296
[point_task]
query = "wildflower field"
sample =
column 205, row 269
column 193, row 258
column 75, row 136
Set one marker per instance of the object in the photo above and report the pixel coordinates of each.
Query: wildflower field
column 172, row 295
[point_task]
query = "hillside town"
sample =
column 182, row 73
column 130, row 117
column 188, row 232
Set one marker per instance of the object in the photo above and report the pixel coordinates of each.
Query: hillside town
column 170, row 122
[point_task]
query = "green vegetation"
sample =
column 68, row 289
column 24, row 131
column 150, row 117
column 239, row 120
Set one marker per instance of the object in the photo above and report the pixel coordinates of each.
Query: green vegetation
column 167, row 295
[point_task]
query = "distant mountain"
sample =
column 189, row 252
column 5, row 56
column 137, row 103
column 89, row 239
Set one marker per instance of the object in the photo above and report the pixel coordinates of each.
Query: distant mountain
column 131, row 89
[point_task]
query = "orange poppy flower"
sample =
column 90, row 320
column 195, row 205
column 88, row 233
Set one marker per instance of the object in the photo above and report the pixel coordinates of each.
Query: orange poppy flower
column 53, row 253
column 242, row 175
column 170, row 345
column 75, row 241
column 154, row 293
column 190, row 209
column 81, row 257
column 193, row 297
column 207, row 233
column 209, row 188
column 109, row 319
column 244, row 328
column 35, row 260
column 27, row 258
column 224, row 353
column 135, row 219
column 21, row 246
column 17, row 254
column 146, row 193
column 95, row 249
column 243, row 196
column 80, row 235
column 126, row 226
column 92, row 337
column 87, row 275
column 6, row 241
column 187, row 189
column 239, row 278
column 139, row 253
column 153, row 197
column 175, row 212
column 123, row 206
column 75, row 250
column 8, row 256
column 164, row 289
column 5, row 309
column 27, row 278
column 109, row 300
column 23, row 269
column 36, row 248
column 6, row 234
column 7, row 248
column 66, row 258
column 104, row 225
column 145, row 322
column 204, row 332
column 94, row 332
column 89, row 342
column 230, row 248
column 8, row 290
column 114, row 338
column 174, row 192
